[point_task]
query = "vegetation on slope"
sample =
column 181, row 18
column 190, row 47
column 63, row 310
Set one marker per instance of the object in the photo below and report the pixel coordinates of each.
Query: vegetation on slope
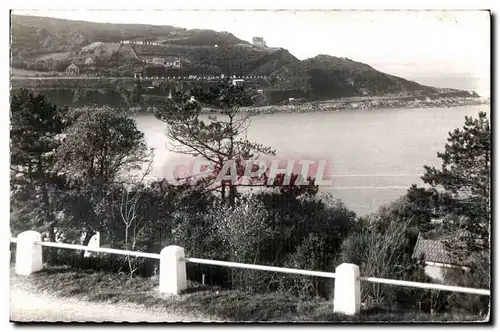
column 327, row 76
column 50, row 45
column 33, row 35
column 70, row 188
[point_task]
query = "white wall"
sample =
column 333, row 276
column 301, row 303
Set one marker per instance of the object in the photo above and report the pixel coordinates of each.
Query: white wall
column 435, row 272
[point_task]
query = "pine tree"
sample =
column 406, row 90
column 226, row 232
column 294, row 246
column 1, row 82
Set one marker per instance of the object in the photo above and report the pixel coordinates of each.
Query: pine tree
column 459, row 193
column 34, row 137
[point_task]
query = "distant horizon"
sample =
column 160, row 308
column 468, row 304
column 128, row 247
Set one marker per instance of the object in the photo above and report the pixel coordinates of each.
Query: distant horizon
column 451, row 49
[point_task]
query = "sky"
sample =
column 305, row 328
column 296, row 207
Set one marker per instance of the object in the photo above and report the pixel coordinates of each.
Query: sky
column 440, row 48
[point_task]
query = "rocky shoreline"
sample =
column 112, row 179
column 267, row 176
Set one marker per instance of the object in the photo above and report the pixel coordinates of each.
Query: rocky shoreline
column 348, row 105
column 368, row 105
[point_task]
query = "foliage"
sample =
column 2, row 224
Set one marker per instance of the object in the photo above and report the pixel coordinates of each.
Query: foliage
column 308, row 231
column 35, row 126
column 459, row 193
column 67, row 181
column 326, row 76
column 243, row 229
column 219, row 140
column 100, row 144
column 35, row 131
column 385, row 254
column 312, row 254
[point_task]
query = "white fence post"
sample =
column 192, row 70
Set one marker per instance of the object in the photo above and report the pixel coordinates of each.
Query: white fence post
column 172, row 270
column 347, row 296
column 94, row 242
column 28, row 254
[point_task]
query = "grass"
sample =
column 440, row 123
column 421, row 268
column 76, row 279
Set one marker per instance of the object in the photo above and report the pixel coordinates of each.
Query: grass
column 226, row 305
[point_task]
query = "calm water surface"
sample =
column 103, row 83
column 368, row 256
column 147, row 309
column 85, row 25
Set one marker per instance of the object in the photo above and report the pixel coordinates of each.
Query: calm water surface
column 375, row 156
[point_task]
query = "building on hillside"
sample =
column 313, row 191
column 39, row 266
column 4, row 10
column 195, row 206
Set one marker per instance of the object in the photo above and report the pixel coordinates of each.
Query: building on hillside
column 437, row 258
column 259, row 42
column 158, row 61
column 138, row 74
column 238, row 82
column 72, row 70
column 172, row 61
column 89, row 61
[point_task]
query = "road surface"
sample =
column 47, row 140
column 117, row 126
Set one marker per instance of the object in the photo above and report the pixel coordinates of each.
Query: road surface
column 27, row 306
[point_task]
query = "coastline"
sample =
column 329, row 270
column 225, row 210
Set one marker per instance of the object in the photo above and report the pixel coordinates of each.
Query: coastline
column 347, row 104
column 367, row 105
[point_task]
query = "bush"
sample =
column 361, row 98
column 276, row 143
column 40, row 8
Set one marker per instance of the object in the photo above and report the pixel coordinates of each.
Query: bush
column 384, row 254
column 310, row 255
column 478, row 277
column 244, row 228
column 274, row 229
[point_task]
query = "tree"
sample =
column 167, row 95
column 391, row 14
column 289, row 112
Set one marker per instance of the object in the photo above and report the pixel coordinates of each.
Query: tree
column 134, row 97
column 129, row 216
column 459, row 192
column 35, row 130
column 99, row 144
column 217, row 140
column 35, row 126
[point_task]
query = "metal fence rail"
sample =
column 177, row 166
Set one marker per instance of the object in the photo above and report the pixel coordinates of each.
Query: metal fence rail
column 424, row 285
column 102, row 250
column 403, row 283
column 261, row 267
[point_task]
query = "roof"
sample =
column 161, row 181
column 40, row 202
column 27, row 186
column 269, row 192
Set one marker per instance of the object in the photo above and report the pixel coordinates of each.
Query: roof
column 435, row 250
column 431, row 251
column 71, row 66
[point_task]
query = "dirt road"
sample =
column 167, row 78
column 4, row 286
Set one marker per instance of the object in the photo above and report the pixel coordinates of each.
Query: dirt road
column 26, row 306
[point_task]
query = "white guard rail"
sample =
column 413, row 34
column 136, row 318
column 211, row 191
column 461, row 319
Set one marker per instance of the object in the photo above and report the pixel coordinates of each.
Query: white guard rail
column 173, row 279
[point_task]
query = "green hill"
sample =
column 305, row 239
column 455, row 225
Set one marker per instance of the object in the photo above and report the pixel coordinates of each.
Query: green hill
column 330, row 77
column 43, row 45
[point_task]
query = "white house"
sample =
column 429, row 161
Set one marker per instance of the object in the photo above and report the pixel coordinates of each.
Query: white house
column 158, row 61
column 73, row 70
column 259, row 42
column 89, row 61
column 437, row 258
column 172, row 61
column 238, row 82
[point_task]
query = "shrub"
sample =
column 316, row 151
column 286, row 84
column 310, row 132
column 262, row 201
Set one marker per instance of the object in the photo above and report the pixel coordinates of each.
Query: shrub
column 243, row 229
column 310, row 255
column 384, row 254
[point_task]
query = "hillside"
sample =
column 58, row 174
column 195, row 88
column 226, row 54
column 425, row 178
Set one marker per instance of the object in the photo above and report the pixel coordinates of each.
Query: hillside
column 43, row 44
column 46, row 46
column 33, row 35
column 327, row 76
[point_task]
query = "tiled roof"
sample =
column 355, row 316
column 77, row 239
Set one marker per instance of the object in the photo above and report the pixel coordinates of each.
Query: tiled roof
column 435, row 250
column 432, row 251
